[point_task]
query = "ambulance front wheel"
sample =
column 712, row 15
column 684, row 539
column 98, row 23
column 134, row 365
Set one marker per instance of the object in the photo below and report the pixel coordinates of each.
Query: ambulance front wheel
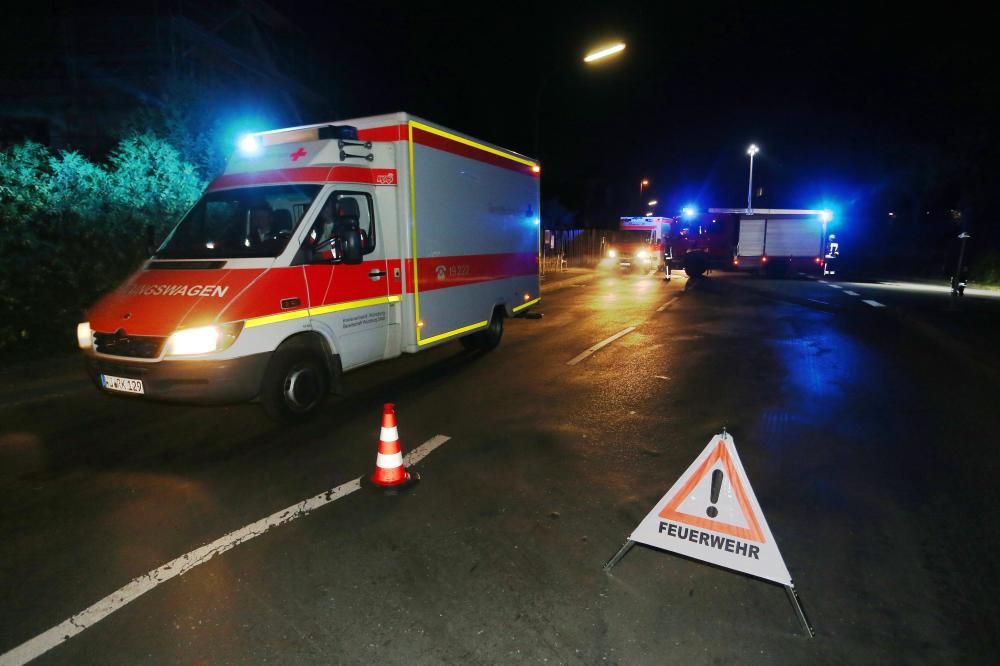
column 295, row 384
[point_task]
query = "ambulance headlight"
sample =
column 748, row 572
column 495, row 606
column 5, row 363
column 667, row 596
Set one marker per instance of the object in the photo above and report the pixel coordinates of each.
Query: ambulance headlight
column 612, row 254
column 202, row 340
column 643, row 254
column 84, row 336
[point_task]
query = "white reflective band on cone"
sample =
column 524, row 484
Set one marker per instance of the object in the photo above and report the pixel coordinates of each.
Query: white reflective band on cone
column 389, row 435
column 389, row 461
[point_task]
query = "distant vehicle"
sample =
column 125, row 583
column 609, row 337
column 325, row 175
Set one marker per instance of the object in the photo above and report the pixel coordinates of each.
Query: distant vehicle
column 638, row 244
column 321, row 249
column 773, row 241
column 697, row 244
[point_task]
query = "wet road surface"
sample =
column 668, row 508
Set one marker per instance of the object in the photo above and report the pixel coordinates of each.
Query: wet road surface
column 867, row 433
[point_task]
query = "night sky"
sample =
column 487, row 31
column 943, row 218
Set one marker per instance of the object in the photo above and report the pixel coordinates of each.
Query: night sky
column 852, row 106
column 844, row 101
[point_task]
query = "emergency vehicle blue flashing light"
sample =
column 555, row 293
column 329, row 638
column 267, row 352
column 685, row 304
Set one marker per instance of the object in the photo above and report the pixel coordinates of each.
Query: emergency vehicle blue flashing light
column 825, row 215
column 249, row 144
column 537, row 221
column 688, row 212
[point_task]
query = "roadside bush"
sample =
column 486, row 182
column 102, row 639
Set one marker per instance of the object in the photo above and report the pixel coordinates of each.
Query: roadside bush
column 71, row 229
column 986, row 268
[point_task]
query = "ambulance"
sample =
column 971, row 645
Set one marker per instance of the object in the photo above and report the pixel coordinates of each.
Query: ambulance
column 322, row 249
column 639, row 243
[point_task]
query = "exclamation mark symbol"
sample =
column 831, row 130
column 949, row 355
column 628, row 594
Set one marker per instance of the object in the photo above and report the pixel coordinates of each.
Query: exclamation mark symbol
column 717, row 477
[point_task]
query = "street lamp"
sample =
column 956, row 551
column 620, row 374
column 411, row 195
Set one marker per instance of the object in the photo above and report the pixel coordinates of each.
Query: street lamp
column 604, row 52
column 653, row 202
column 957, row 282
column 643, row 184
column 751, row 151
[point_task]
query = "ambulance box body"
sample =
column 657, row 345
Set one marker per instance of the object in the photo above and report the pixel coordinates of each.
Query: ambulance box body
column 321, row 249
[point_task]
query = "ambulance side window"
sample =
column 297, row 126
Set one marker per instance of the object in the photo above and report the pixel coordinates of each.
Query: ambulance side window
column 344, row 210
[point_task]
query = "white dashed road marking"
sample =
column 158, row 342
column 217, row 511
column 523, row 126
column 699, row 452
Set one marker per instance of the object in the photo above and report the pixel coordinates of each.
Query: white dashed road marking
column 667, row 304
column 603, row 343
column 851, row 293
column 60, row 633
column 874, row 304
column 835, row 286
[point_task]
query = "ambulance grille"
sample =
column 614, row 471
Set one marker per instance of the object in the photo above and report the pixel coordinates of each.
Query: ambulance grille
column 132, row 346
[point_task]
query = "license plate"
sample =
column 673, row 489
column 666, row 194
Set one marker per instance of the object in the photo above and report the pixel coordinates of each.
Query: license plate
column 123, row 384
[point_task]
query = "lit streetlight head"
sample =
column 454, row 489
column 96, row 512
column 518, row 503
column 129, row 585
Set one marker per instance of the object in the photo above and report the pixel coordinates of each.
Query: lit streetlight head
column 604, row 52
column 653, row 202
column 644, row 182
column 753, row 150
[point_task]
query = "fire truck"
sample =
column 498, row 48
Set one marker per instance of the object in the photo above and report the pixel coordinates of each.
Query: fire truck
column 766, row 240
column 321, row 249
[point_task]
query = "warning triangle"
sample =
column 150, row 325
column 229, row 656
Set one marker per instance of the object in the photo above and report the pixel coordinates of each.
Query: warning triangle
column 719, row 461
column 711, row 514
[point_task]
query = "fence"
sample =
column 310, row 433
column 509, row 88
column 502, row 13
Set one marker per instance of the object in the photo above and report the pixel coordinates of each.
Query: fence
column 572, row 248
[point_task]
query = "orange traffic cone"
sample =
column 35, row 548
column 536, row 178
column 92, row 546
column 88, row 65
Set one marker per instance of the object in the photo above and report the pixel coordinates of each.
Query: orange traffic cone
column 390, row 475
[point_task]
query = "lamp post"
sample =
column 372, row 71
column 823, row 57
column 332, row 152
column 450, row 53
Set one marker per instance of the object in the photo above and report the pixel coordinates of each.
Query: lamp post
column 591, row 57
column 751, row 151
column 957, row 282
column 643, row 184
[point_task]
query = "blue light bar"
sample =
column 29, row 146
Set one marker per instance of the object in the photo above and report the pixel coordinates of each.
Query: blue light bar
column 249, row 144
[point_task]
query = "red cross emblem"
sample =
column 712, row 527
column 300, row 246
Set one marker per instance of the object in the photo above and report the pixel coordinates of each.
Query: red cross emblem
column 301, row 152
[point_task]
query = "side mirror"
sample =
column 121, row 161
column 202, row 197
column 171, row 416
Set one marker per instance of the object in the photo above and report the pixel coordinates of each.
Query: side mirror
column 352, row 247
column 367, row 244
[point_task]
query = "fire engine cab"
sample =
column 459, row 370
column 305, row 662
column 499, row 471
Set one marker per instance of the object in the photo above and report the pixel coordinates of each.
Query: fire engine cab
column 321, row 249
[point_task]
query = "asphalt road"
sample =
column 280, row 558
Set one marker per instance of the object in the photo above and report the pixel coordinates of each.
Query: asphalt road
column 868, row 434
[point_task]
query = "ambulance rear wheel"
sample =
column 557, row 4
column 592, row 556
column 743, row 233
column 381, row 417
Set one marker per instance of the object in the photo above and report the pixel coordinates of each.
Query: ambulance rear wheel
column 489, row 337
column 295, row 385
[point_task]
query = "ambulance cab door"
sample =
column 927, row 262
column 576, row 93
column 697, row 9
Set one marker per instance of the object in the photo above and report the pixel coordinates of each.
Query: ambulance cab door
column 349, row 303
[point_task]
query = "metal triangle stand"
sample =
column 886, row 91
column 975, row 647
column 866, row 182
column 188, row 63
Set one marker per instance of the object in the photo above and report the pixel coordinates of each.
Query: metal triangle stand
column 793, row 596
column 627, row 546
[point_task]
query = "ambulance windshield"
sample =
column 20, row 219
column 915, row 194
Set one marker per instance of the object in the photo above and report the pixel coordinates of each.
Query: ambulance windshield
column 243, row 222
column 630, row 237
